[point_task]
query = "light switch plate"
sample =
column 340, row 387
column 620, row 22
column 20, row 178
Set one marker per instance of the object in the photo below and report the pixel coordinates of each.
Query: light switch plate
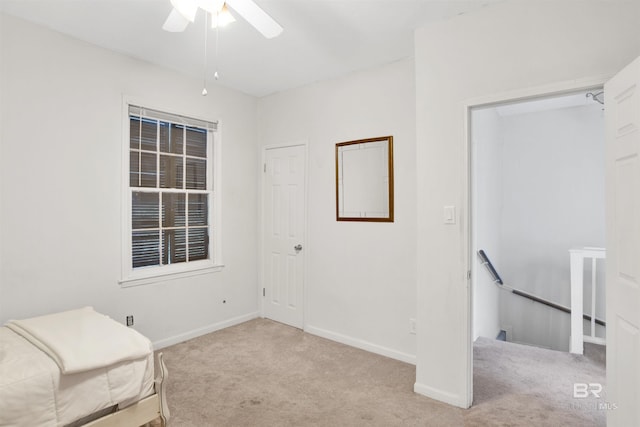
column 449, row 214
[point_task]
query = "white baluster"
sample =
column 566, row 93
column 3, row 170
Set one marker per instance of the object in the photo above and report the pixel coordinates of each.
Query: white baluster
column 576, row 259
column 577, row 294
column 593, row 297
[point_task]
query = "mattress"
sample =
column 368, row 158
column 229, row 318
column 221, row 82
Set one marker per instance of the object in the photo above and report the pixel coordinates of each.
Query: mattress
column 34, row 392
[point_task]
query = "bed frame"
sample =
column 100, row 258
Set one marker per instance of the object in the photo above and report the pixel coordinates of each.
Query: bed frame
column 144, row 411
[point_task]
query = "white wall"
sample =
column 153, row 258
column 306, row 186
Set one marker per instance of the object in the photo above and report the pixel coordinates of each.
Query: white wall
column 360, row 285
column 553, row 201
column 2, row 299
column 60, row 176
column 486, row 132
column 505, row 47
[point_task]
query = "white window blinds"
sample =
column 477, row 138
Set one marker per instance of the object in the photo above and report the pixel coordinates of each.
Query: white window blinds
column 171, row 188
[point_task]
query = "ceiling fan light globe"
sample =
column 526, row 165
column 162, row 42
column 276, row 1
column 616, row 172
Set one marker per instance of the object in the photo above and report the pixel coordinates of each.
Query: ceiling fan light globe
column 222, row 18
column 211, row 6
column 187, row 8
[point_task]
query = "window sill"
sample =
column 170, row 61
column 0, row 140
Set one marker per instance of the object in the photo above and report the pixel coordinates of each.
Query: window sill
column 163, row 277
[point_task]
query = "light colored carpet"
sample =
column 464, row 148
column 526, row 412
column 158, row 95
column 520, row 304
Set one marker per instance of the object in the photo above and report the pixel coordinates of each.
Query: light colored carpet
column 522, row 385
column 262, row 373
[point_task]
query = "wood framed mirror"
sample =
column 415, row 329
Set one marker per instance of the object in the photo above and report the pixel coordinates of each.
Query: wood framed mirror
column 364, row 180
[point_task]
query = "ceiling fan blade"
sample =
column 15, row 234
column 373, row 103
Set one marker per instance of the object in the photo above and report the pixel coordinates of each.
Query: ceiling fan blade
column 257, row 17
column 187, row 8
column 175, row 22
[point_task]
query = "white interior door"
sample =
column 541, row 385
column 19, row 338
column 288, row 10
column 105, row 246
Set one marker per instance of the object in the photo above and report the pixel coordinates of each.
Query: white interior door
column 283, row 231
column 622, row 112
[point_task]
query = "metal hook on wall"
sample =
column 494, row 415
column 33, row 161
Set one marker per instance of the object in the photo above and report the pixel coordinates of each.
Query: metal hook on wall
column 598, row 97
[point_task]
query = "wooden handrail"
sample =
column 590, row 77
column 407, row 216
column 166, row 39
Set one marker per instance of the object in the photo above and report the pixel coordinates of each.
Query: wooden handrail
column 498, row 280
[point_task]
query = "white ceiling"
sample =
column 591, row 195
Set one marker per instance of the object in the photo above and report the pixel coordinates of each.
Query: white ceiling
column 322, row 38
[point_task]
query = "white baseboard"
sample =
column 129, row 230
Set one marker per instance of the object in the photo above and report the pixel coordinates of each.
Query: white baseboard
column 204, row 330
column 363, row 345
column 443, row 396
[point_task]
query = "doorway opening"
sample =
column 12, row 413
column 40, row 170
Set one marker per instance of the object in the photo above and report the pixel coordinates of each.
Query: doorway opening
column 537, row 191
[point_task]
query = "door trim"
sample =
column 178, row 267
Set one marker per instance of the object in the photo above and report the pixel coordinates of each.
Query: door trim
column 519, row 95
column 261, row 239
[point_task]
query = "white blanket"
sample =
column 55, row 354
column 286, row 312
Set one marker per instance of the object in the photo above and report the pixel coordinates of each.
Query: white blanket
column 33, row 392
column 81, row 340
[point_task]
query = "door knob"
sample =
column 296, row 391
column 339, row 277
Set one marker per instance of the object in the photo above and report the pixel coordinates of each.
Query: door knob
column 298, row 248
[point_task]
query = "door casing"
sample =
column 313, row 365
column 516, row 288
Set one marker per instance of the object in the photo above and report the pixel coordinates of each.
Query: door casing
column 551, row 90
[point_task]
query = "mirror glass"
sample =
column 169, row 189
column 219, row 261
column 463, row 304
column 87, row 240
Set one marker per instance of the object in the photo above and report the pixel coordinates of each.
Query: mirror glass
column 364, row 180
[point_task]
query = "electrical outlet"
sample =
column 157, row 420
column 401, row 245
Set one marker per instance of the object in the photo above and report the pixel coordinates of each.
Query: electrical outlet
column 412, row 326
column 130, row 320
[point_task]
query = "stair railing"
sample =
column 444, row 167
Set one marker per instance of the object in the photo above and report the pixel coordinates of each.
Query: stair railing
column 577, row 259
column 575, row 312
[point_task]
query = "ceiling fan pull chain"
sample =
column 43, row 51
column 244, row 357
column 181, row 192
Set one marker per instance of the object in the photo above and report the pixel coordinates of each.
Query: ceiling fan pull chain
column 215, row 75
column 204, row 78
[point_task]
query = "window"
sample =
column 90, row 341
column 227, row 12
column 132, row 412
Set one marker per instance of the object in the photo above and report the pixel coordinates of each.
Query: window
column 170, row 196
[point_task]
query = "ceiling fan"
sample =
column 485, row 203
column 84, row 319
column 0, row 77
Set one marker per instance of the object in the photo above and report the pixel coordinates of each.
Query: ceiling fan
column 184, row 11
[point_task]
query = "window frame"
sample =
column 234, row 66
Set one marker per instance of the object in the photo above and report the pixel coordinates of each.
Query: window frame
column 144, row 275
